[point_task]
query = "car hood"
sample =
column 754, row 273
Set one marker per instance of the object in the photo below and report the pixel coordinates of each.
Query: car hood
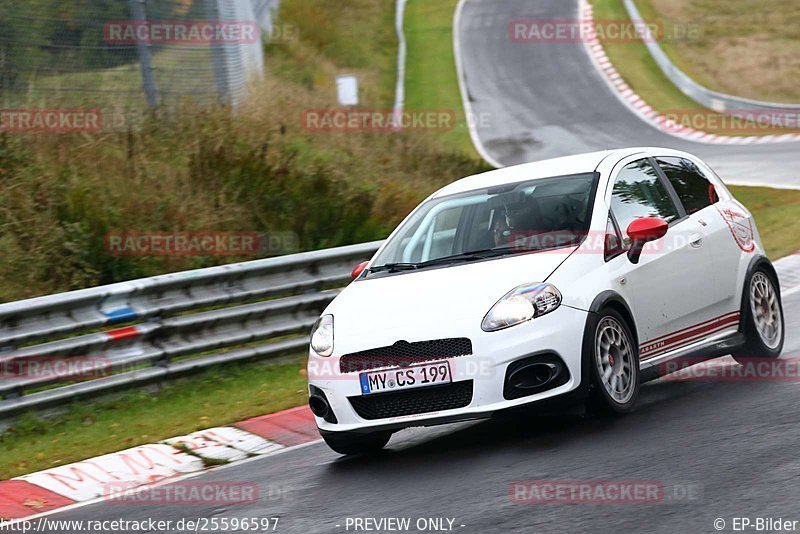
column 375, row 307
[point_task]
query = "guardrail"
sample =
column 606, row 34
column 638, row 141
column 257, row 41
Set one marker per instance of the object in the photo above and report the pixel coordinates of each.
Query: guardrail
column 717, row 101
column 153, row 329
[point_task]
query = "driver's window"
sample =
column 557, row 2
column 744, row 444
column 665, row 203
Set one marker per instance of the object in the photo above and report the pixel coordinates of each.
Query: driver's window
column 638, row 192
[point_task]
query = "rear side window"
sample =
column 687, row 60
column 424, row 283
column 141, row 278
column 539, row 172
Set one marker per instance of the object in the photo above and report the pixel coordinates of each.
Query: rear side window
column 694, row 189
column 638, row 192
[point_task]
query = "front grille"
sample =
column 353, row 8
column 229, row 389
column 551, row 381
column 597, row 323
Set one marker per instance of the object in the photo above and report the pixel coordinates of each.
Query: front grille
column 404, row 353
column 413, row 401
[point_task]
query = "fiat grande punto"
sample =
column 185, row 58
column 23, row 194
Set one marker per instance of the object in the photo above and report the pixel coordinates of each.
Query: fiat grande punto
column 573, row 279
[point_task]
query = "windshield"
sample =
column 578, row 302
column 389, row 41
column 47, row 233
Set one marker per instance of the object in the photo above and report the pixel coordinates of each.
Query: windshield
column 526, row 216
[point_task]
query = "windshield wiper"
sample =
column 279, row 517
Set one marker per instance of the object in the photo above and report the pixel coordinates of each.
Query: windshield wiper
column 394, row 267
column 472, row 255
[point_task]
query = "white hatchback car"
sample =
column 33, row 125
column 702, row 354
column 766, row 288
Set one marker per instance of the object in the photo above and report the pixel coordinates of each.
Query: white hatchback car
column 571, row 279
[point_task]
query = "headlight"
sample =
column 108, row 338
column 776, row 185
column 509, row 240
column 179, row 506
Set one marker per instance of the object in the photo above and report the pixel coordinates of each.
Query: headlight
column 522, row 304
column 322, row 336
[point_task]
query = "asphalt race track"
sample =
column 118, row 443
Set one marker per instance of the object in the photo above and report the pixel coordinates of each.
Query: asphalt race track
column 538, row 100
column 736, row 441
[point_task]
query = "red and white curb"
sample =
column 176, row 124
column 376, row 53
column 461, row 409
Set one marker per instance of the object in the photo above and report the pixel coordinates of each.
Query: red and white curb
column 638, row 105
column 155, row 463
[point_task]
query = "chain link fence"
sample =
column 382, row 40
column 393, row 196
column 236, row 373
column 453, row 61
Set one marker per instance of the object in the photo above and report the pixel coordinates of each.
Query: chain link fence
column 130, row 53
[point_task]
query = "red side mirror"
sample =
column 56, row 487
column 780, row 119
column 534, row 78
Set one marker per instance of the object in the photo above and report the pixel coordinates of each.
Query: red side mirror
column 642, row 231
column 358, row 270
column 647, row 229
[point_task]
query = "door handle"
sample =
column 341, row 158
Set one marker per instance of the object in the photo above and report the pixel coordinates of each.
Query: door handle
column 696, row 241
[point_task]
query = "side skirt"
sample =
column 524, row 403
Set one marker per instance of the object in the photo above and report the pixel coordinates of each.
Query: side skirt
column 707, row 349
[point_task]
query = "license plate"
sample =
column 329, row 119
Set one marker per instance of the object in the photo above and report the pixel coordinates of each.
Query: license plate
column 415, row 376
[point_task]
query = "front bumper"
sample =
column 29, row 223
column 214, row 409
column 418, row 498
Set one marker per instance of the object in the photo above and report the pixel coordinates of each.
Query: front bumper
column 559, row 333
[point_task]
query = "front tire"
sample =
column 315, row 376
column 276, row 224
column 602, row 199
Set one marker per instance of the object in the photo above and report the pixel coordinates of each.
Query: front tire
column 763, row 324
column 613, row 365
column 355, row 443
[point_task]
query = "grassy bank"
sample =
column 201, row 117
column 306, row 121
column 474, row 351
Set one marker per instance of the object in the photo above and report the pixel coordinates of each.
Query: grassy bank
column 747, row 48
column 432, row 82
column 635, row 64
column 776, row 213
column 261, row 169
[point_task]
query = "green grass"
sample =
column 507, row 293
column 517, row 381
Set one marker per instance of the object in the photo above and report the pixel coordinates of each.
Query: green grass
column 121, row 84
column 356, row 37
column 754, row 56
column 431, row 79
column 212, row 398
column 777, row 214
column 635, row 64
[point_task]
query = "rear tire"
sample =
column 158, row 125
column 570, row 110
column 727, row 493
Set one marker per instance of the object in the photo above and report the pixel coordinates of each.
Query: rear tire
column 355, row 443
column 763, row 324
column 613, row 359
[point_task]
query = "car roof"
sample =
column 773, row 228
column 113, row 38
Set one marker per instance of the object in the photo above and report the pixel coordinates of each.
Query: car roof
column 579, row 163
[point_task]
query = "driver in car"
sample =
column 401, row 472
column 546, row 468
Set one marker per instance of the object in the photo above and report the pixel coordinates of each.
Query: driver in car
column 515, row 224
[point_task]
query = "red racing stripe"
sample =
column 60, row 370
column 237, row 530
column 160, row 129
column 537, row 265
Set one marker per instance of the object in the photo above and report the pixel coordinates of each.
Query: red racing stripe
column 687, row 336
column 692, row 327
column 686, row 342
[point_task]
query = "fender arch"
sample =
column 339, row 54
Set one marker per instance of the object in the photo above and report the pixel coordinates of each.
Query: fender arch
column 612, row 299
